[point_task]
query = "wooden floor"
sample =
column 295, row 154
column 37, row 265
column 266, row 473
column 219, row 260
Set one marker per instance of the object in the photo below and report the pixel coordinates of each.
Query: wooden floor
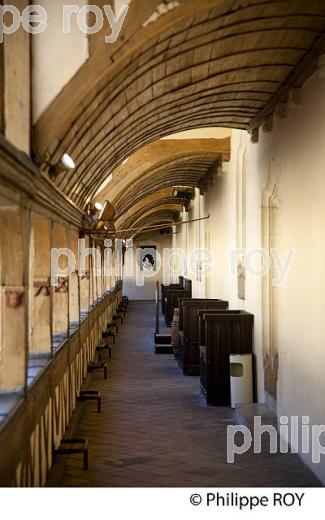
column 156, row 430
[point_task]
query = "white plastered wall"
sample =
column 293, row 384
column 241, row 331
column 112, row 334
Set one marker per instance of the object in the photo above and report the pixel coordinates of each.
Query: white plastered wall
column 291, row 160
column 56, row 57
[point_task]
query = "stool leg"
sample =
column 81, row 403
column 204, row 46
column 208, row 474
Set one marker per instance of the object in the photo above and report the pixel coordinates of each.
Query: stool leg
column 99, row 404
column 105, row 372
column 85, row 456
column 110, row 352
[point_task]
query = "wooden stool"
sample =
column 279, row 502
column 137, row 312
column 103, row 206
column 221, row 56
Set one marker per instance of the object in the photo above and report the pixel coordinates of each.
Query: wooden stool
column 112, row 327
column 91, row 395
column 101, row 348
column 73, row 446
column 122, row 310
column 94, row 365
column 118, row 320
column 107, row 335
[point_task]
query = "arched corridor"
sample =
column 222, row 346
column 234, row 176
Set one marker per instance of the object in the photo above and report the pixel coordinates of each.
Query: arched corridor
column 164, row 159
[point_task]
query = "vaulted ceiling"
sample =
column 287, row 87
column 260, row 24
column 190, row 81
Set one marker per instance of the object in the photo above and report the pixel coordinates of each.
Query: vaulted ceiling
column 206, row 63
column 143, row 186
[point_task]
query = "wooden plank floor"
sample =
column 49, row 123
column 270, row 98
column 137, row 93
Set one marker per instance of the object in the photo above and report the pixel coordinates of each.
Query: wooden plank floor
column 156, row 430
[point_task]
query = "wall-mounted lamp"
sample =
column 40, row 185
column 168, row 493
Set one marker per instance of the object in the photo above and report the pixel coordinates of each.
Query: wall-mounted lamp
column 184, row 194
column 99, row 218
column 98, row 206
column 106, row 214
column 66, row 163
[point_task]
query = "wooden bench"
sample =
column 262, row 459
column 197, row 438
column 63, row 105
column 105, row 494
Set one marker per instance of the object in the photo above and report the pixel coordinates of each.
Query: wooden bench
column 71, row 447
column 91, row 395
column 117, row 320
column 109, row 335
column 111, row 327
column 103, row 347
column 98, row 365
column 188, row 350
column 222, row 333
column 122, row 309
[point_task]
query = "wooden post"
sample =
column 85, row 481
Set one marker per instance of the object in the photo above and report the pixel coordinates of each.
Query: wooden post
column 157, row 307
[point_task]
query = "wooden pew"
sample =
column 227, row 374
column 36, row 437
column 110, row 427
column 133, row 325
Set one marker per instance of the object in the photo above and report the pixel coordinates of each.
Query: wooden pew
column 222, row 333
column 172, row 298
column 164, row 290
column 189, row 351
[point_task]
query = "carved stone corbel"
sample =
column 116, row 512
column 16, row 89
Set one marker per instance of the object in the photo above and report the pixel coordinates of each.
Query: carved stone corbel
column 268, row 124
column 43, row 288
column 254, row 135
column 295, row 96
column 63, row 285
column 14, row 299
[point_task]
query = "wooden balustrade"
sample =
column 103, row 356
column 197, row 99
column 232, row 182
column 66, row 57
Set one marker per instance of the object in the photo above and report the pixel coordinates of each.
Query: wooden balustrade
column 38, row 423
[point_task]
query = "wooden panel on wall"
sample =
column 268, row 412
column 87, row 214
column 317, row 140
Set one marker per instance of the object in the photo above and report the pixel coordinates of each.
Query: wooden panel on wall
column 40, row 334
column 13, row 299
column 60, row 291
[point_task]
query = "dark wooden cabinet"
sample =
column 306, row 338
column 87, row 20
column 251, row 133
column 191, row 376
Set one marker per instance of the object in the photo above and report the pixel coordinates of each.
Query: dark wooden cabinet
column 224, row 333
column 188, row 354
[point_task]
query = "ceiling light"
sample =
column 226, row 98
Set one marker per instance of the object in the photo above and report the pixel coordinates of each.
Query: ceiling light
column 125, row 161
